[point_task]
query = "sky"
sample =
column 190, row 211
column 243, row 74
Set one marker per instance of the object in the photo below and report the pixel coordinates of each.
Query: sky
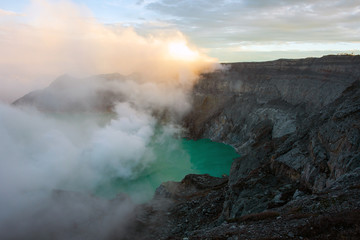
column 236, row 30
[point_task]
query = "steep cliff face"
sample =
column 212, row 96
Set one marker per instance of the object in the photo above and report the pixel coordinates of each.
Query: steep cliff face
column 296, row 124
column 227, row 104
column 284, row 111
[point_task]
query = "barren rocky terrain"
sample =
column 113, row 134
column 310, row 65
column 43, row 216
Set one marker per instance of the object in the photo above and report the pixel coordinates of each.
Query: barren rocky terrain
column 296, row 124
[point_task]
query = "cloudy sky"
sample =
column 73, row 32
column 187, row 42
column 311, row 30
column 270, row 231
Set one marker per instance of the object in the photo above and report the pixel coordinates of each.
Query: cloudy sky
column 236, row 30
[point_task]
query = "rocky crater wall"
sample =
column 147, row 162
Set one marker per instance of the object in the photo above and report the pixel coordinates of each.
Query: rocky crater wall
column 297, row 119
column 296, row 124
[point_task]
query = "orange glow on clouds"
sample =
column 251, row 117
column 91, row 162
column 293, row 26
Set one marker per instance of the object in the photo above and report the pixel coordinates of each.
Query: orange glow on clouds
column 180, row 51
column 55, row 38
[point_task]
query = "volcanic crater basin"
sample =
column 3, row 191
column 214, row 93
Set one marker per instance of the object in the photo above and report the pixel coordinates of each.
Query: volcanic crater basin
column 175, row 158
column 296, row 124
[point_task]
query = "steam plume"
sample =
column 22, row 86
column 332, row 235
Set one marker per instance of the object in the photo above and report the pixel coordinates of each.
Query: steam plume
column 42, row 152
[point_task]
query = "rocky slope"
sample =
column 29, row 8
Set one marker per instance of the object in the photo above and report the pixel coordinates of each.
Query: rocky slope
column 296, row 124
column 301, row 116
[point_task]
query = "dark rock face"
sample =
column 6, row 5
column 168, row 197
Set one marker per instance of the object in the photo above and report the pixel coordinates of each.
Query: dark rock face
column 302, row 116
column 230, row 105
column 296, row 124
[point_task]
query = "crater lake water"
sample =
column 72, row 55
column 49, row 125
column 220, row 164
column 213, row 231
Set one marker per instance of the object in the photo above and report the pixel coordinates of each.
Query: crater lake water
column 172, row 158
column 175, row 158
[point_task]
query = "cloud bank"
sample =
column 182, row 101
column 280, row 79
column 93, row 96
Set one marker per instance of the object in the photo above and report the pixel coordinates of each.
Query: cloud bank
column 264, row 21
column 228, row 27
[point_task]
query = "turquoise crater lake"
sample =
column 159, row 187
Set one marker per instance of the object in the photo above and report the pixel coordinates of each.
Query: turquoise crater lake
column 175, row 158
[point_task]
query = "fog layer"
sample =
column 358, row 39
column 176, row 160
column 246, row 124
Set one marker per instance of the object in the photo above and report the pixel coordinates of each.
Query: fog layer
column 81, row 131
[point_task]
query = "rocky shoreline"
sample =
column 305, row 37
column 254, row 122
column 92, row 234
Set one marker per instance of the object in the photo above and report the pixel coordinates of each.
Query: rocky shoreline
column 296, row 124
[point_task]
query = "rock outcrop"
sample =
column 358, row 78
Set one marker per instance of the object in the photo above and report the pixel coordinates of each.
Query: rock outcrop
column 301, row 116
column 296, row 124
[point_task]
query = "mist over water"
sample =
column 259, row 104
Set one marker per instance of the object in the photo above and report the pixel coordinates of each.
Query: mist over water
column 128, row 149
column 82, row 133
column 175, row 158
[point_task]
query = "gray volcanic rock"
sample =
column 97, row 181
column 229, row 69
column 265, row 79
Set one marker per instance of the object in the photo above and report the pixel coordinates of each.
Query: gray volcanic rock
column 229, row 103
column 296, row 113
column 296, row 124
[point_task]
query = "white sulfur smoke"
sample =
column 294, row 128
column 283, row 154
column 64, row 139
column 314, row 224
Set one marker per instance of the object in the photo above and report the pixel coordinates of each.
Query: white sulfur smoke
column 40, row 154
column 120, row 149
column 68, row 138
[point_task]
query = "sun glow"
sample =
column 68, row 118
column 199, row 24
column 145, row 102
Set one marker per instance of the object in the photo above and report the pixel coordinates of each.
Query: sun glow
column 180, row 51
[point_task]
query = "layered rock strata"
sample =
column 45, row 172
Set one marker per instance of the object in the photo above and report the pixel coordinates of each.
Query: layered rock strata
column 296, row 124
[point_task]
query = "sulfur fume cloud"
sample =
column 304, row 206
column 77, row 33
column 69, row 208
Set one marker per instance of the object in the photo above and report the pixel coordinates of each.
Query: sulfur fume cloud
column 60, row 139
